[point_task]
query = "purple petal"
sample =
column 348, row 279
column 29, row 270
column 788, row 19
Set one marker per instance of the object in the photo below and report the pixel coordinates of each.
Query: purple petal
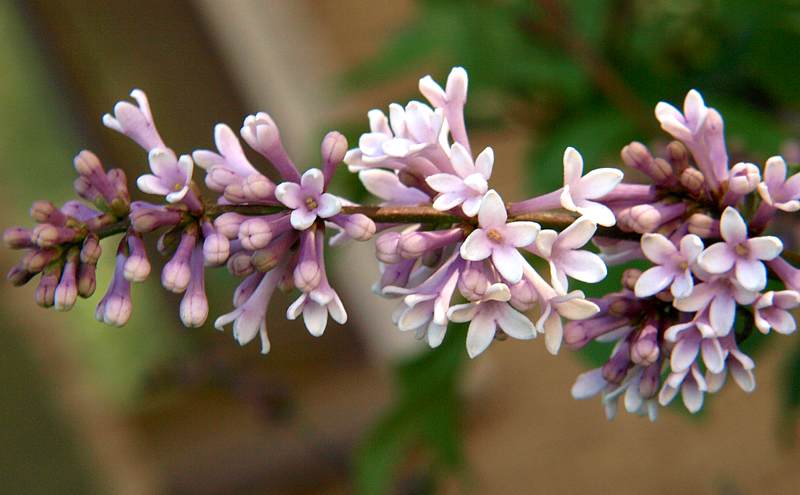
column 312, row 181
column 765, row 248
column 584, row 266
column 573, row 166
column 722, row 313
column 290, row 195
column 492, row 212
column 461, row 160
column 448, row 201
column 685, row 352
column 752, row 274
column 480, row 334
column 484, row 162
column 477, row 246
column 658, row 248
column 599, row 182
column 151, row 184
column 509, row 262
column 654, row 281
column 577, row 234
column 713, row 356
column 515, row 324
column 328, row 205
column 302, row 219
column 682, row 285
column 596, row 212
column 775, row 172
column 445, row 183
column 588, row 384
column 717, row 258
column 520, row 234
column 732, row 226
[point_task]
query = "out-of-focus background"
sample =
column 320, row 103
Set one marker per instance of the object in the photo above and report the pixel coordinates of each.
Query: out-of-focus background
column 156, row 408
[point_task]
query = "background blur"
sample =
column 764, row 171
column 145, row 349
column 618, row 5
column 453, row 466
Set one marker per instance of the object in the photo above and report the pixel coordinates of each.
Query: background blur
column 156, row 408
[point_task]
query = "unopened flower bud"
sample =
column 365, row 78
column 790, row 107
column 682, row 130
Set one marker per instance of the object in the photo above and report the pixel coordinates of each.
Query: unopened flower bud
column 692, row 179
column 147, row 218
column 66, row 292
column 257, row 187
column 617, row 367
column 307, row 275
column 46, row 290
column 239, row 264
column 46, row 212
column 83, row 187
column 678, row 157
column 473, row 283
column 87, row 280
column 228, row 224
column 624, row 306
column 645, row 350
column 255, row 233
column 35, row 260
column 91, row 250
column 651, row 378
column 87, row 164
column 357, row 226
column 17, row 238
column 137, row 266
column 216, row 249
column 176, row 273
column 636, row 155
column 46, row 235
column 744, row 178
column 704, row 226
column 260, row 132
column 647, row 218
column 333, row 149
column 19, row 276
column 386, row 247
column 194, row 305
column 267, row 258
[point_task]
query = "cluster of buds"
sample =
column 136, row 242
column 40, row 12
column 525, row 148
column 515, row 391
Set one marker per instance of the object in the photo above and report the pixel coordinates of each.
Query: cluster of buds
column 450, row 249
column 675, row 324
column 64, row 247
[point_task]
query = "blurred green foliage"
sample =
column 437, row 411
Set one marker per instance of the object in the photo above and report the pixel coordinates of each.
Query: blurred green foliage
column 425, row 416
column 588, row 73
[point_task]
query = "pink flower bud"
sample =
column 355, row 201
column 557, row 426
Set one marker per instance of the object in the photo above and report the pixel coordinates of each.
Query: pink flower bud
column 255, row 233
column 87, row 280
column 46, row 212
column 228, row 224
column 744, row 178
column 645, row 349
column 386, row 247
column 239, row 264
column 17, row 238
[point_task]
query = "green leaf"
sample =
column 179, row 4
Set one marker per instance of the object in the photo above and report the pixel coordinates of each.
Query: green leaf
column 426, row 414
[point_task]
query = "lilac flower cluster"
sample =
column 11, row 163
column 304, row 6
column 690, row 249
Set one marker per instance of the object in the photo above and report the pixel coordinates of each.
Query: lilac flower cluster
column 674, row 325
column 450, row 249
column 421, row 155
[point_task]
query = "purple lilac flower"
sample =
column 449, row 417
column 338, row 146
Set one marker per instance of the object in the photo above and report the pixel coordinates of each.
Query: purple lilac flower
column 739, row 251
column 499, row 240
column 673, row 265
column 307, row 199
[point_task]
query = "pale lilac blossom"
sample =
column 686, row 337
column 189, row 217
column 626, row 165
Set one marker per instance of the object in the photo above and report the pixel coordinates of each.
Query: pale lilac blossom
column 468, row 185
column 307, row 200
column 738, row 251
column 499, row 240
column 491, row 312
column 136, row 122
column 776, row 190
column 561, row 250
column 772, row 311
column 673, row 265
column 171, row 175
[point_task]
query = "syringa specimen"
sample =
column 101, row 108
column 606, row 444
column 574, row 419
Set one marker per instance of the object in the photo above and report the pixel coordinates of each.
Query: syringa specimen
column 449, row 248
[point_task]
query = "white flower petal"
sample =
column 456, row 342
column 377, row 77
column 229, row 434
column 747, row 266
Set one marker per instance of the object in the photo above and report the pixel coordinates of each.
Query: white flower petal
column 492, row 212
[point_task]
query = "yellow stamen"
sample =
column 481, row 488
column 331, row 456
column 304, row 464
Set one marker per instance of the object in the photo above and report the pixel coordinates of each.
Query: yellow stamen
column 311, row 203
column 494, row 235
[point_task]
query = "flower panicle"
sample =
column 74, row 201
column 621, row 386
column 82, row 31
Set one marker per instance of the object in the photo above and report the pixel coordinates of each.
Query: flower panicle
column 698, row 220
column 702, row 224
